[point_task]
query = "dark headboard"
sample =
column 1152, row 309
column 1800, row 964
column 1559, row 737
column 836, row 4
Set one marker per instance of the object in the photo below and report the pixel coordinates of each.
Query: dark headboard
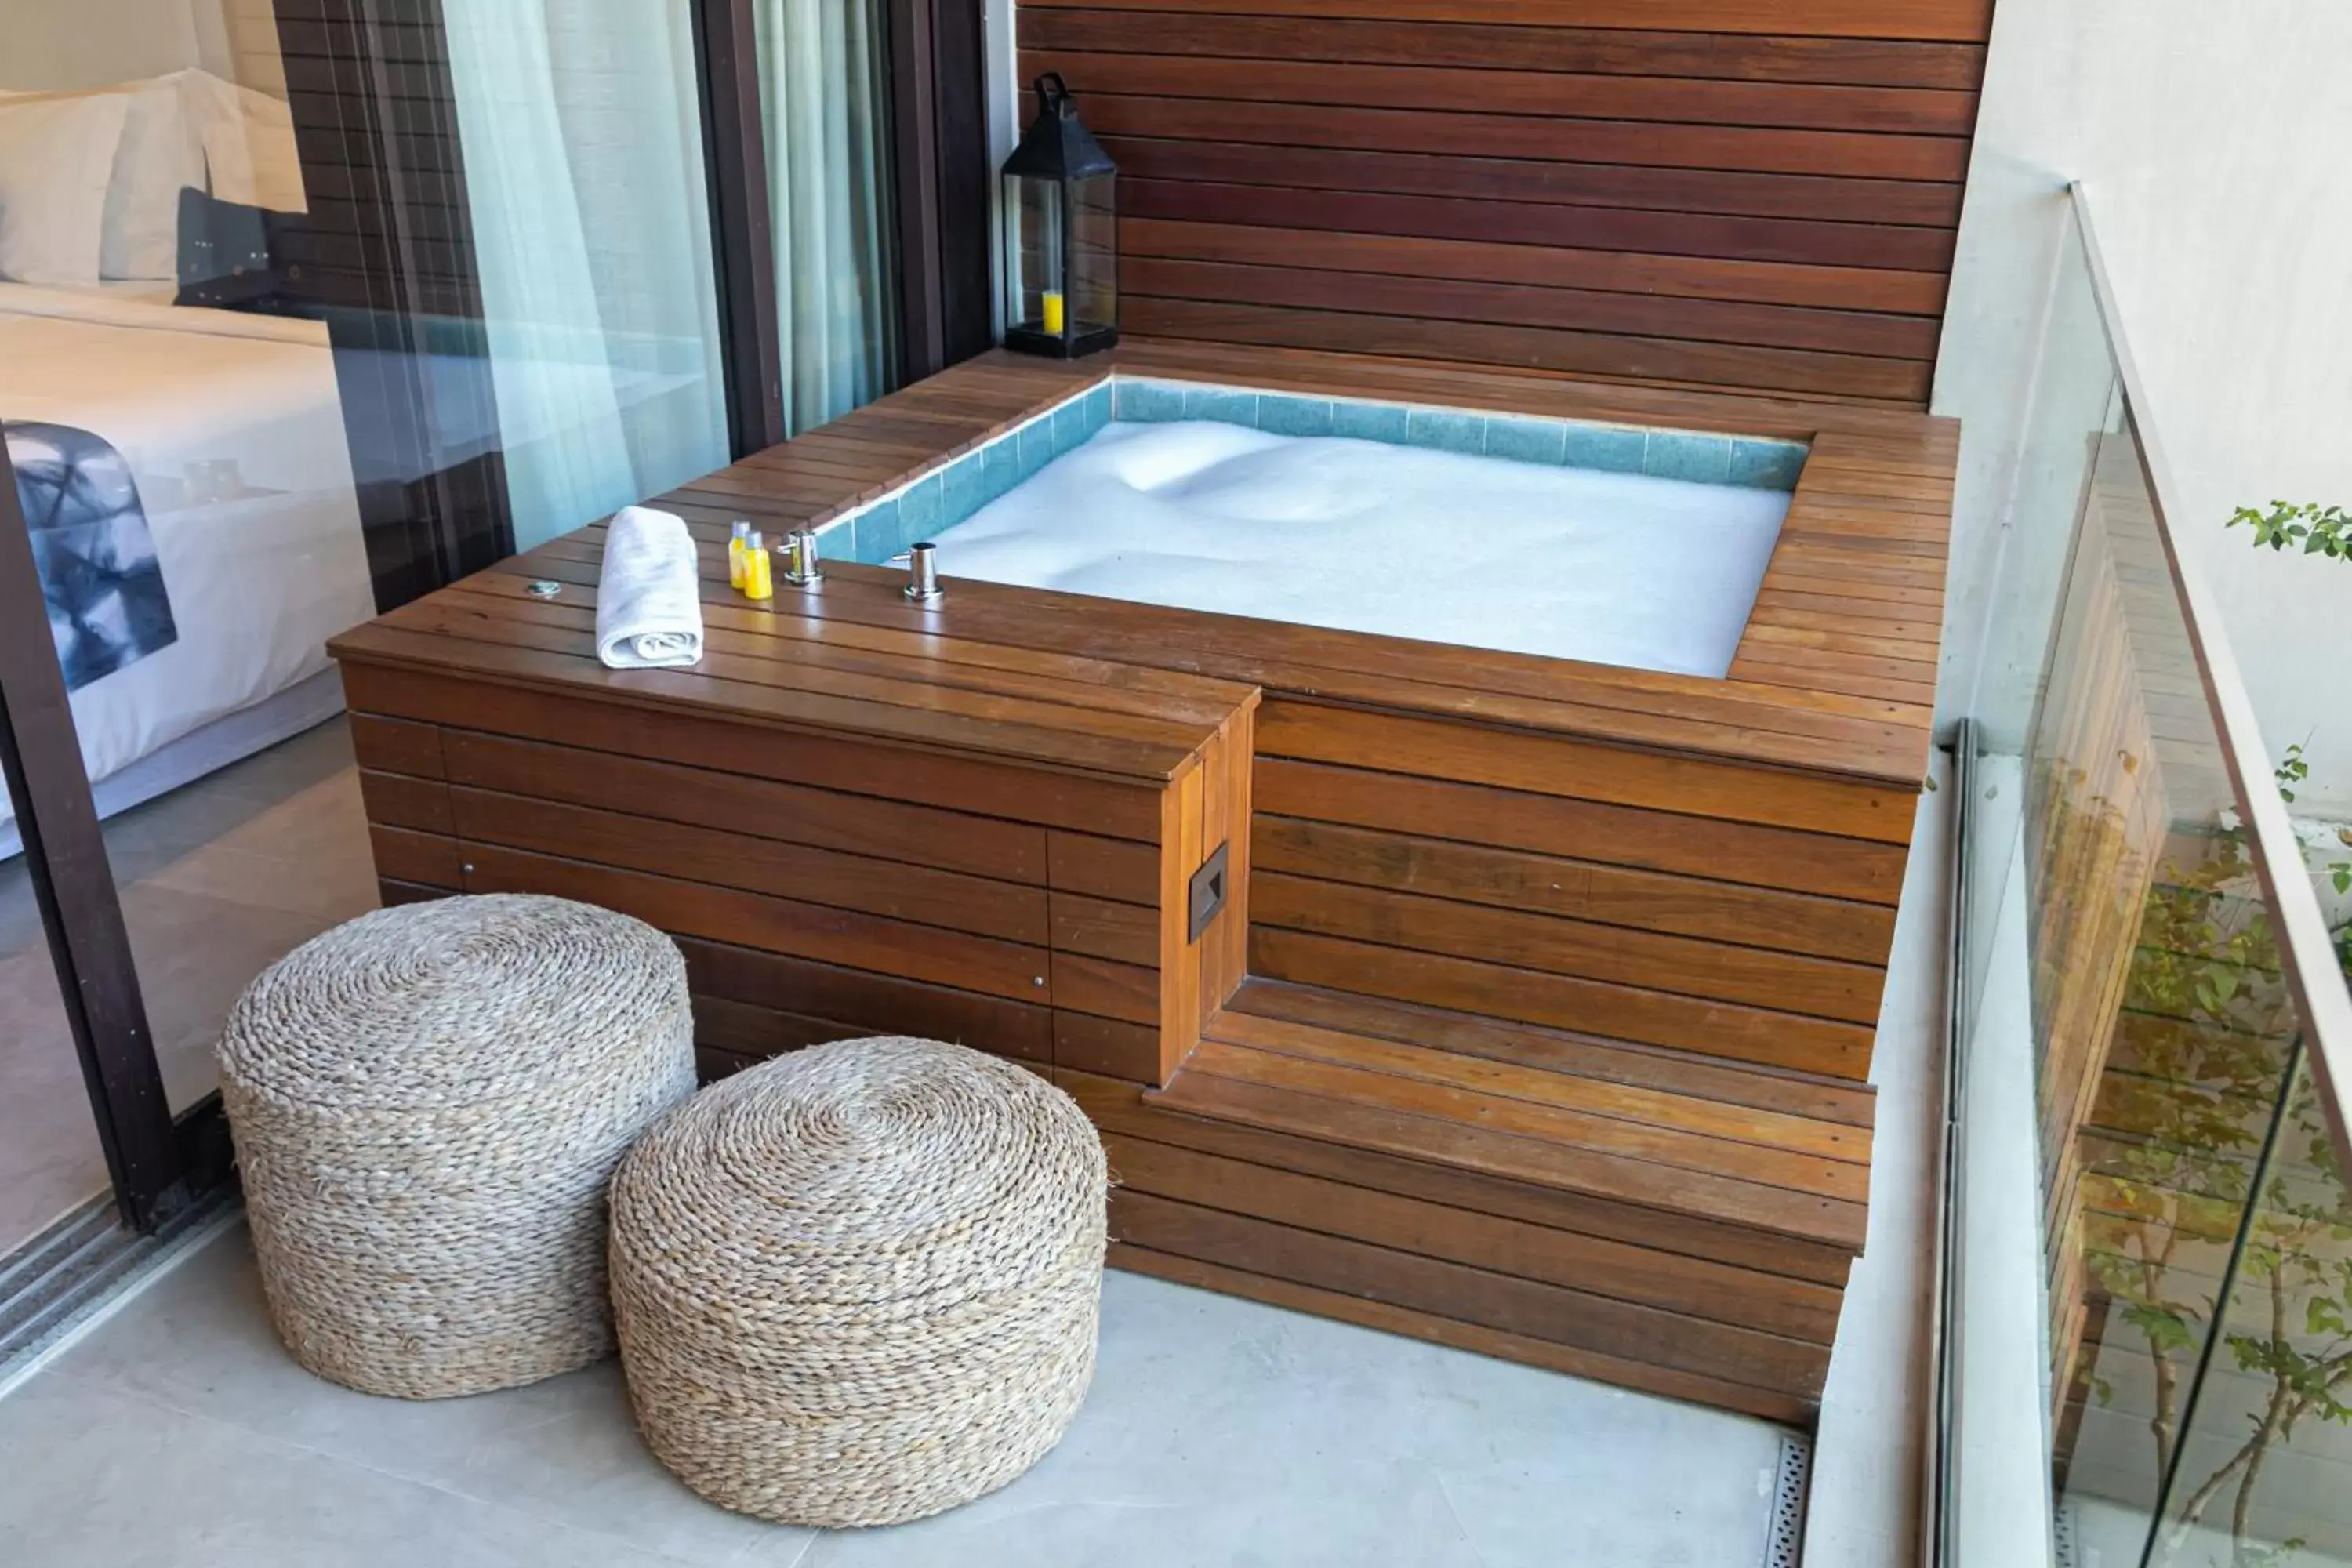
column 1748, row 193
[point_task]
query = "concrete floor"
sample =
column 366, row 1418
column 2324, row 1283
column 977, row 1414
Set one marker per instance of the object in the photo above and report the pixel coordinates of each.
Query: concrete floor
column 217, row 880
column 1219, row 1433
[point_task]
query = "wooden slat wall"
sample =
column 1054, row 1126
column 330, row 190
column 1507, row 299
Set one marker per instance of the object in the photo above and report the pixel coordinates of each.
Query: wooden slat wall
column 1528, row 878
column 1686, row 190
column 949, row 839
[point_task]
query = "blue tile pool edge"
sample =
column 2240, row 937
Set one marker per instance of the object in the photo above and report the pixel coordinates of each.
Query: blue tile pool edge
column 947, row 492
column 1752, row 462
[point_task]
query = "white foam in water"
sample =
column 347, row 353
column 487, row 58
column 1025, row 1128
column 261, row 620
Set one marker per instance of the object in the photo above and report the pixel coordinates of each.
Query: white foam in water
column 1361, row 536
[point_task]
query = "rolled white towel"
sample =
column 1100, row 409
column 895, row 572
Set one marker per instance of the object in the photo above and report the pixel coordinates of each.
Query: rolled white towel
column 648, row 601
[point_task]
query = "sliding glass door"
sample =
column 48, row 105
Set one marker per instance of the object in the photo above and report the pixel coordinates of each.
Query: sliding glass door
column 306, row 309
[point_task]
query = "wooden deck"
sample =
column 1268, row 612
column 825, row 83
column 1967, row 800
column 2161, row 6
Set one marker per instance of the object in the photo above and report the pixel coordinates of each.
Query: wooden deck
column 1540, row 1014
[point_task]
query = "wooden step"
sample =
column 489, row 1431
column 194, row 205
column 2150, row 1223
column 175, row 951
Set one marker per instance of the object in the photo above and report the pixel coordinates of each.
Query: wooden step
column 1664, row 1221
column 1655, row 1141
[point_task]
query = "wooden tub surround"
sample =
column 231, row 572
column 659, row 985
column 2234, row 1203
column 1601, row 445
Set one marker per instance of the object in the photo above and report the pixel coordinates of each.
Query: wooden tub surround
column 1536, row 1012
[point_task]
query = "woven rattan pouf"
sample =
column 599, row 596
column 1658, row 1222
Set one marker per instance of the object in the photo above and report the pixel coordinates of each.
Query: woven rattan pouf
column 427, row 1103
column 860, row 1284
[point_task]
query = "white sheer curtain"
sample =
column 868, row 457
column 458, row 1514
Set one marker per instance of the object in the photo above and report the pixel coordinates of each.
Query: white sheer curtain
column 582, row 149
column 823, row 101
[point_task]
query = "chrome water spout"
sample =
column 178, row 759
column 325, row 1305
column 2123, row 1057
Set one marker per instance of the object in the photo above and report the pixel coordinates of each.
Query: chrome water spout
column 923, row 573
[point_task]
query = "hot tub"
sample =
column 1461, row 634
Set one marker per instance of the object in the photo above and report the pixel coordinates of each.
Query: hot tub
column 1566, row 539
column 1364, row 536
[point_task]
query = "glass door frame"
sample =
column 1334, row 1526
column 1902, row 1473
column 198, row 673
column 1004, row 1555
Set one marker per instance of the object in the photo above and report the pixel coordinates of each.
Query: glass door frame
column 160, row 1164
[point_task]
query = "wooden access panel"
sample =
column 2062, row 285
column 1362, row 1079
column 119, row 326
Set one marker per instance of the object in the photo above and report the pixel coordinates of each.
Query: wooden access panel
column 824, row 884
column 1683, row 191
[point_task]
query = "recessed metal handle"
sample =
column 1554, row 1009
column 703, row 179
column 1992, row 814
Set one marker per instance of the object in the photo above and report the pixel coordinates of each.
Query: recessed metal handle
column 1208, row 893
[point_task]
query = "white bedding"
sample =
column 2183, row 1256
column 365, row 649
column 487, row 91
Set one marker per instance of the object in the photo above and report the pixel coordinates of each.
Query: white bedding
column 232, row 426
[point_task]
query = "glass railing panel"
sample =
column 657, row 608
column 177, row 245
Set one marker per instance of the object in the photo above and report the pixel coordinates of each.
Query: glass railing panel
column 2147, row 976
column 2263, row 1466
column 2075, row 400
column 2162, row 1025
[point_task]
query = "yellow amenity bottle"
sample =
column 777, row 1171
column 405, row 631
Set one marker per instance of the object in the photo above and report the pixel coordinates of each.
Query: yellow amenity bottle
column 1053, row 314
column 759, row 575
column 742, row 530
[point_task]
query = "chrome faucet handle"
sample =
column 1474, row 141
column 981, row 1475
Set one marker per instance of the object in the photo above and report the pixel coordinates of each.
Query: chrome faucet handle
column 803, row 568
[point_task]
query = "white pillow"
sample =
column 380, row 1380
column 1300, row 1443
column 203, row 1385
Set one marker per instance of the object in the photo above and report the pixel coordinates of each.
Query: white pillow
column 160, row 152
column 249, row 140
column 57, row 158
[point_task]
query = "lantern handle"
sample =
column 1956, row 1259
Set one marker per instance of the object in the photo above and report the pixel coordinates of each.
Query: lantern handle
column 1053, row 96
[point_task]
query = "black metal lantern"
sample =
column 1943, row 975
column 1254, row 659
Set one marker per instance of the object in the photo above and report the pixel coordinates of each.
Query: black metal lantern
column 1061, row 227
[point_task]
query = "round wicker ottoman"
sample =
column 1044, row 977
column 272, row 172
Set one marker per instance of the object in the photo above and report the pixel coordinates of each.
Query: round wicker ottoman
column 860, row 1284
column 427, row 1103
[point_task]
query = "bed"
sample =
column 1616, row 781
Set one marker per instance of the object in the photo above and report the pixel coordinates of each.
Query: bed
column 228, row 425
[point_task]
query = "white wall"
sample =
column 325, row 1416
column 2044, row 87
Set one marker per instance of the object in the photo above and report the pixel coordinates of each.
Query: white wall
column 2217, row 143
column 68, row 44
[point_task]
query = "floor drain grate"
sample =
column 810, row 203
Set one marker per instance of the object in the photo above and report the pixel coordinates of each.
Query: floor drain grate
column 1784, row 1536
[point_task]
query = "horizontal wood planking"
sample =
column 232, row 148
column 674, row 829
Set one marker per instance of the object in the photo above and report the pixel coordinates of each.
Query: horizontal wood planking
column 425, row 859
column 868, row 1002
column 1548, row 183
column 1966, row 21
column 1297, row 283
column 1439, row 1329
column 1845, row 154
column 1914, row 111
column 677, row 731
column 750, row 1032
column 1584, row 132
column 1707, row 969
column 1589, row 1056
column 1589, row 1157
column 396, row 745
column 399, row 800
column 1632, row 836
column 1269, row 34
column 1501, row 1301
column 846, row 938
column 1733, row 1134
column 1786, row 1174
column 1106, row 954
column 1585, row 889
column 1664, row 361
column 1623, row 1271
column 1474, row 983
column 1128, row 1108
column 727, row 857
column 1727, row 237
column 1817, row 296
column 830, row 819
column 1549, row 764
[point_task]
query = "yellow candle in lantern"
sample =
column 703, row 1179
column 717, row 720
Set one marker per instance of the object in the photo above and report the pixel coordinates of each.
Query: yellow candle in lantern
column 1053, row 314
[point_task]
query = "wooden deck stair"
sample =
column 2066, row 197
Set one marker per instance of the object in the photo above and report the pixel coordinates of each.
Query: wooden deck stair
column 1658, row 1219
